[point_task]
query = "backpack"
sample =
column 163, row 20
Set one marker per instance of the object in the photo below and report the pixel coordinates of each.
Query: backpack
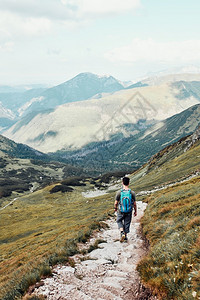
column 126, row 204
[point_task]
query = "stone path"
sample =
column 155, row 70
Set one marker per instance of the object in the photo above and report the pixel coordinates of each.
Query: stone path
column 106, row 273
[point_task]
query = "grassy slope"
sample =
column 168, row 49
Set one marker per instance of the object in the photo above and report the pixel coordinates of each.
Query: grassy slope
column 40, row 229
column 171, row 224
column 168, row 171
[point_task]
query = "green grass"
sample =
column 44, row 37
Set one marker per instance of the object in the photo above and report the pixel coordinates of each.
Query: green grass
column 169, row 171
column 42, row 229
column 171, row 224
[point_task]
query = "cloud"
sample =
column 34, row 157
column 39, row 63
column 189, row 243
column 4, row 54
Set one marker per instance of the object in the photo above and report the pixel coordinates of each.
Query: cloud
column 7, row 46
column 13, row 26
column 36, row 17
column 154, row 51
column 67, row 9
column 50, row 9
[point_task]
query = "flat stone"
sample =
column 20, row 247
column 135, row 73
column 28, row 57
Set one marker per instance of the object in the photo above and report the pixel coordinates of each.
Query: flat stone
column 102, row 245
column 64, row 269
column 113, row 282
column 109, row 252
column 116, row 273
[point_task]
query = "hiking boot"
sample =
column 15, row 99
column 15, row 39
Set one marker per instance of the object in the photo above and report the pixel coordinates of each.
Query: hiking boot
column 122, row 237
column 125, row 239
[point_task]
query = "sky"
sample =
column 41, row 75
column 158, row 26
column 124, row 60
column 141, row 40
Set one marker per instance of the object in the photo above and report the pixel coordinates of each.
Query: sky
column 51, row 41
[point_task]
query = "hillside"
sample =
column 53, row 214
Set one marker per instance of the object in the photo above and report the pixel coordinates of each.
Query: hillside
column 10, row 102
column 74, row 125
column 171, row 221
column 132, row 152
column 173, row 77
column 49, row 236
column 20, row 150
column 23, row 169
column 175, row 162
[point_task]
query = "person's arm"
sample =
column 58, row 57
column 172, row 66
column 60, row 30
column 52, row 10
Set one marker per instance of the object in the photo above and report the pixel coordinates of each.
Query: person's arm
column 134, row 203
column 135, row 208
column 117, row 198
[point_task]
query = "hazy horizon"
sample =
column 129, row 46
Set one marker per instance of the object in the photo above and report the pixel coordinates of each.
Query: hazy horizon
column 50, row 42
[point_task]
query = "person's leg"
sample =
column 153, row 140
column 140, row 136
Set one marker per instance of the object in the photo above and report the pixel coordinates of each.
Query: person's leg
column 127, row 223
column 120, row 223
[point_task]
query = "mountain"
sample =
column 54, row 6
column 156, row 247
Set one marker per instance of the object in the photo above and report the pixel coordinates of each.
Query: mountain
column 187, row 69
column 11, row 101
column 16, row 102
column 170, row 78
column 17, row 150
column 136, row 85
column 74, row 125
column 81, row 87
column 172, row 163
column 129, row 153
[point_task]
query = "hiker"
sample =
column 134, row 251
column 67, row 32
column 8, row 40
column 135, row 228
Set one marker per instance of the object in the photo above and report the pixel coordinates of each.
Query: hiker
column 124, row 203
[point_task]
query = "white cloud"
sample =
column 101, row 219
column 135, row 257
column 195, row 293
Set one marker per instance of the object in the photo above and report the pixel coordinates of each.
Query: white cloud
column 51, row 9
column 36, row 17
column 67, row 9
column 13, row 26
column 154, row 51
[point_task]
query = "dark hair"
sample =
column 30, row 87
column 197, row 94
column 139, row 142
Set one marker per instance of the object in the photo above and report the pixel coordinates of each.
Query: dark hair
column 126, row 180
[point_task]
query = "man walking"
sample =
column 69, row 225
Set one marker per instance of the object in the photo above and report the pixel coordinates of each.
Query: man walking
column 124, row 203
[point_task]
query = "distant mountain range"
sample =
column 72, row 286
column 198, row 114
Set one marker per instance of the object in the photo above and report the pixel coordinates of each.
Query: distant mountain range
column 73, row 125
column 17, row 102
column 82, row 118
column 81, row 87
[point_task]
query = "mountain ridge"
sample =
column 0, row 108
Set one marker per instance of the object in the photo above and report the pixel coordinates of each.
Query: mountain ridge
column 83, row 120
column 135, row 150
column 81, row 87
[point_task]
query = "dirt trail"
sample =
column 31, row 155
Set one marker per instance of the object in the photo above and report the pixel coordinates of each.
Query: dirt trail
column 108, row 272
column 11, row 202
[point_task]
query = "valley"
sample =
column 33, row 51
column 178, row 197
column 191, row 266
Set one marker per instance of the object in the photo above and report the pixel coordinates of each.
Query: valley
column 46, row 225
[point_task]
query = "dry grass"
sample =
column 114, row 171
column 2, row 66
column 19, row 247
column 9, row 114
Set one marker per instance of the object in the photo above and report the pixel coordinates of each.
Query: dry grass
column 42, row 229
column 170, row 171
column 171, row 224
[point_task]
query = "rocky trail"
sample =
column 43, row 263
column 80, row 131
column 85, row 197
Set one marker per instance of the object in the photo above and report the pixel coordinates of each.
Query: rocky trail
column 106, row 273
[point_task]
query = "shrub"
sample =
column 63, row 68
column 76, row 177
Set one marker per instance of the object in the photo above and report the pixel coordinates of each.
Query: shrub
column 61, row 188
column 5, row 192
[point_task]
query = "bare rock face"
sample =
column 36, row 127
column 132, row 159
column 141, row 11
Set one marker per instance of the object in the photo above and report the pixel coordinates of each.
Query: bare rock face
column 108, row 272
column 196, row 135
